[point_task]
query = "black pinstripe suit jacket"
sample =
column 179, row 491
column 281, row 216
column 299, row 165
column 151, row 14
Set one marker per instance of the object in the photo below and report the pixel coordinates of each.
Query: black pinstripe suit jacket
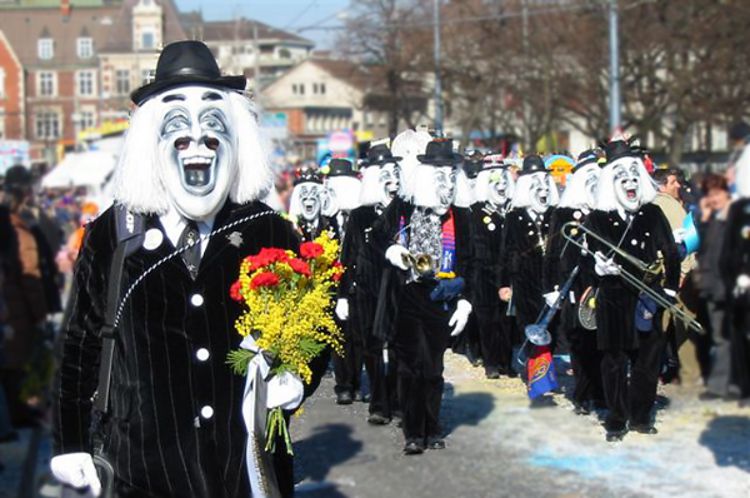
column 176, row 426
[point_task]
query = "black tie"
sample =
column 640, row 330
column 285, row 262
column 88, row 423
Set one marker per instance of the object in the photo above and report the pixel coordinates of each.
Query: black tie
column 192, row 255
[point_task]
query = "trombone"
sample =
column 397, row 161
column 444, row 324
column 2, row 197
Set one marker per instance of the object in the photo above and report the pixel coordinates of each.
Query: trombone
column 651, row 272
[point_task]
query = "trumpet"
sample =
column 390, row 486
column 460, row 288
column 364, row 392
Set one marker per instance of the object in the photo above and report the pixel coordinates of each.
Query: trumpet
column 651, row 272
column 422, row 264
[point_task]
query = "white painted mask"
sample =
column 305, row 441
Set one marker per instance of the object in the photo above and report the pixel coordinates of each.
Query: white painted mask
column 197, row 149
column 390, row 181
column 310, row 202
column 540, row 195
column 499, row 187
column 445, row 187
column 627, row 185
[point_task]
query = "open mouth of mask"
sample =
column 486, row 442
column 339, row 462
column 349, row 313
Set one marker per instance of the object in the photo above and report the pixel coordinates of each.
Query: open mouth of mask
column 198, row 169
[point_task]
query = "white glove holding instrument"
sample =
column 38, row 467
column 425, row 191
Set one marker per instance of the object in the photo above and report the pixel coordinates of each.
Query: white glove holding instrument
column 342, row 309
column 460, row 317
column 395, row 256
column 550, row 298
column 76, row 470
column 605, row 267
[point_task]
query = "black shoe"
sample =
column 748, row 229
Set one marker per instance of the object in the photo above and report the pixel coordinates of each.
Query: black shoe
column 644, row 429
column 344, row 398
column 582, row 409
column 364, row 398
column 378, row 419
column 492, row 372
column 435, row 443
column 616, row 435
column 413, row 447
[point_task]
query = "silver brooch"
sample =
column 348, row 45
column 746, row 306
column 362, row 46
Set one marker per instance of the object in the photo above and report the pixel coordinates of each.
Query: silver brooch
column 235, row 238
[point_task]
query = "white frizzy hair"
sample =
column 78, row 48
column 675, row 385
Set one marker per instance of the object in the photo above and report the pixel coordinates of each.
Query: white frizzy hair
column 574, row 196
column 483, row 183
column 346, row 191
column 371, row 193
column 408, row 145
column 465, row 195
column 606, row 200
column 137, row 180
column 742, row 173
column 522, row 193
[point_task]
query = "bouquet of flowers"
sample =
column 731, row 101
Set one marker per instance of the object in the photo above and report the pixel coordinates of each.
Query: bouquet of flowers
column 289, row 313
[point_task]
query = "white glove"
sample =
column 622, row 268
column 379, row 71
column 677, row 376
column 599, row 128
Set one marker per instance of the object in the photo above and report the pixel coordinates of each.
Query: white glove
column 342, row 309
column 77, row 470
column 605, row 267
column 671, row 293
column 286, row 391
column 551, row 298
column 679, row 235
column 460, row 317
column 395, row 256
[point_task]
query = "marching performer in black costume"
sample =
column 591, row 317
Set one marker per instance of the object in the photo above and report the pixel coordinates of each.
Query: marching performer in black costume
column 192, row 162
column 306, row 206
column 494, row 189
column 427, row 244
column 576, row 203
column 525, row 235
column 342, row 191
column 735, row 270
column 629, row 334
column 358, row 291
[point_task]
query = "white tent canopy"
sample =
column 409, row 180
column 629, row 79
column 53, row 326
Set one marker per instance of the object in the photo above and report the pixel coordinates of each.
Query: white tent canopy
column 81, row 169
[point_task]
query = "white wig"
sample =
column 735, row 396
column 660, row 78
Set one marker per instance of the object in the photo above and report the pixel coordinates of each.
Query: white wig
column 371, row 193
column 345, row 191
column 575, row 195
column 483, row 183
column 607, row 199
column 138, row 183
column 408, row 145
column 522, row 193
column 465, row 195
column 742, row 173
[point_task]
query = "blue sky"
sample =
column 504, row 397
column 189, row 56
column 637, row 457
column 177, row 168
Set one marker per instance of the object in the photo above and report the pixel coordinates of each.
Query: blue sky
column 286, row 14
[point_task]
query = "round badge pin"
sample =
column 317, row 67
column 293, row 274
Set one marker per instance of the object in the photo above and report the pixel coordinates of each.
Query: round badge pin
column 487, row 220
column 491, row 227
column 152, row 239
column 577, row 215
column 745, row 232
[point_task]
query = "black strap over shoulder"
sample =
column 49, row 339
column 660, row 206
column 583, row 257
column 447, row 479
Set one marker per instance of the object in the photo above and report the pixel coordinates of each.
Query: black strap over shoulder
column 130, row 230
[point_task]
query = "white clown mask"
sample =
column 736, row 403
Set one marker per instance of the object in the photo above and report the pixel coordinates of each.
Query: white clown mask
column 540, row 195
column 307, row 201
column 582, row 188
column 389, row 177
column 435, row 187
column 499, row 186
column 196, row 147
column 627, row 183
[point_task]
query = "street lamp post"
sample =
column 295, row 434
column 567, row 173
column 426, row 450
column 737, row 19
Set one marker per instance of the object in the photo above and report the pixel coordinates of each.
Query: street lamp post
column 614, row 70
column 438, row 89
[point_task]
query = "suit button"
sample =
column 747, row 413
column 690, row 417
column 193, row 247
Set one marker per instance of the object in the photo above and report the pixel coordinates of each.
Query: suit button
column 207, row 412
column 196, row 300
column 202, row 354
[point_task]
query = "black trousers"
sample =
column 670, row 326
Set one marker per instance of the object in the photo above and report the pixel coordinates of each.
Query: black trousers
column 347, row 368
column 496, row 336
column 421, row 339
column 585, row 359
column 632, row 399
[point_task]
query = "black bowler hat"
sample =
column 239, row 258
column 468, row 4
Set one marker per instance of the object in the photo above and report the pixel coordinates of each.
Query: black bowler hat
column 473, row 164
column 532, row 163
column 183, row 63
column 307, row 175
column 589, row 156
column 340, row 167
column 617, row 149
column 440, row 153
column 17, row 177
column 380, row 154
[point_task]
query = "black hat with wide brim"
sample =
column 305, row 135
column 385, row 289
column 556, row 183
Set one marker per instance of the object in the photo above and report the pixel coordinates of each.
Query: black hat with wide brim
column 186, row 63
column 533, row 164
column 380, row 154
column 440, row 153
column 340, row 167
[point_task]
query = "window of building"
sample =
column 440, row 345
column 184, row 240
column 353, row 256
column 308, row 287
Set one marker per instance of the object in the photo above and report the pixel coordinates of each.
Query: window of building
column 302, row 89
column 85, row 83
column 294, row 89
column 148, row 40
column 322, row 88
column 88, row 118
column 46, row 83
column 315, row 88
column 2, row 83
column 45, row 48
column 284, row 53
column 85, row 47
column 122, row 81
column 147, row 76
column 47, row 125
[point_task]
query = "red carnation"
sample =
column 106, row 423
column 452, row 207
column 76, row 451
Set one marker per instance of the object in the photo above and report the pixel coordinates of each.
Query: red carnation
column 266, row 257
column 234, row 292
column 338, row 266
column 310, row 250
column 265, row 279
column 300, row 267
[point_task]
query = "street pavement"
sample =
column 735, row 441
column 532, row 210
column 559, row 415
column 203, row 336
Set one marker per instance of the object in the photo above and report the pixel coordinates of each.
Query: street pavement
column 497, row 446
